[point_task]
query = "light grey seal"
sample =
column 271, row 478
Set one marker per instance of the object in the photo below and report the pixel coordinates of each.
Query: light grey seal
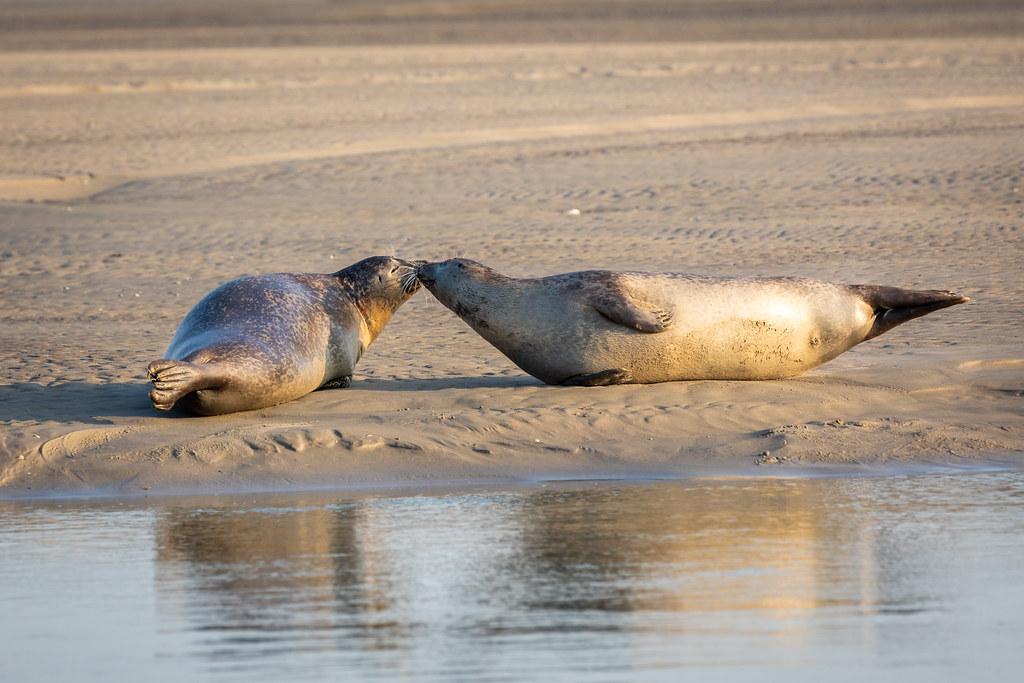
column 261, row 340
column 596, row 327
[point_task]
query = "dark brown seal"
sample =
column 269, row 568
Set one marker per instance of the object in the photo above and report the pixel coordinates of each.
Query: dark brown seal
column 261, row 340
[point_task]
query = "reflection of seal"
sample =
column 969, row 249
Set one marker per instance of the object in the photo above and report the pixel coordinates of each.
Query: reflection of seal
column 601, row 327
column 265, row 339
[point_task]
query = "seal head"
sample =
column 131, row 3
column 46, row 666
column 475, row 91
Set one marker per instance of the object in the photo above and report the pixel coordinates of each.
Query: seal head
column 467, row 287
column 378, row 286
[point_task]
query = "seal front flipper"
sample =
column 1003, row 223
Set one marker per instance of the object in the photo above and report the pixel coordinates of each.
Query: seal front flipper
column 616, row 304
column 600, row 379
column 338, row 383
column 174, row 379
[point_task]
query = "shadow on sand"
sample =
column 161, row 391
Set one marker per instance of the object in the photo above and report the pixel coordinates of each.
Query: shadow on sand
column 74, row 402
column 95, row 403
column 438, row 383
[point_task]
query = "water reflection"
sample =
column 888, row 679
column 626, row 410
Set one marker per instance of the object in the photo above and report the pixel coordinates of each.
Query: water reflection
column 664, row 569
column 923, row 576
column 709, row 548
column 271, row 579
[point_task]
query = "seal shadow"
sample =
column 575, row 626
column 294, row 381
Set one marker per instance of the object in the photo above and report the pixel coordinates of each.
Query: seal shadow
column 438, row 383
column 98, row 403
column 90, row 403
column 74, row 402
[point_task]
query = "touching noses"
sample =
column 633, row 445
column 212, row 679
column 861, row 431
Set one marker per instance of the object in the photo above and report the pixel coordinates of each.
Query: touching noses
column 427, row 273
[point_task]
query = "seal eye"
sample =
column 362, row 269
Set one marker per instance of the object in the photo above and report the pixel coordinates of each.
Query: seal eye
column 462, row 266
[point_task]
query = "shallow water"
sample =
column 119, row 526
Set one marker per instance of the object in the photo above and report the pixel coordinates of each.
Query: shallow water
column 909, row 578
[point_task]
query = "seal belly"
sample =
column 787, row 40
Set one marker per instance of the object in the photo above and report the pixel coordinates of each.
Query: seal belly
column 553, row 347
column 736, row 329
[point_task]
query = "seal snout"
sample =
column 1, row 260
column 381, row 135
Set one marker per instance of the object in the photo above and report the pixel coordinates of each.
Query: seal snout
column 427, row 272
column 408, row 275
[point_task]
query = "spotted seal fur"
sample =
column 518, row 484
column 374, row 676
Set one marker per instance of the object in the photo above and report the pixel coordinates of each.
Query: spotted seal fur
column 261, row 340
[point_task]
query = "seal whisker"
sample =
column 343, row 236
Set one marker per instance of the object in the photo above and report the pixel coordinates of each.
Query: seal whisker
column 405, row 273
column 408, row 281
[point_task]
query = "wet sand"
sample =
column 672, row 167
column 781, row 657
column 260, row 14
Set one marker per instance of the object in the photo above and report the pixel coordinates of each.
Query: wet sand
column 138, row 171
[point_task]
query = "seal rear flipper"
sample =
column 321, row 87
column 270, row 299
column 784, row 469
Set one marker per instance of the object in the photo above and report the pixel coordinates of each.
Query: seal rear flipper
column 894, row 306
column 619, row 307
column 174, row 379
column 600, row 379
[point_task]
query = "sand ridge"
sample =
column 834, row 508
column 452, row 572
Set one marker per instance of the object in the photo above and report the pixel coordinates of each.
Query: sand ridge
column 73, row 187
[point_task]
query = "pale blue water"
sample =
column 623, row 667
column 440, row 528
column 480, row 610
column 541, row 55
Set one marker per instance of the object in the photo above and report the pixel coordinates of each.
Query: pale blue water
column 898, row 578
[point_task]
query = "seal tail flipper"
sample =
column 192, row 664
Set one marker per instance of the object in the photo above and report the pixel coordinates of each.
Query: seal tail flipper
column 894, row 306
column 174, row 379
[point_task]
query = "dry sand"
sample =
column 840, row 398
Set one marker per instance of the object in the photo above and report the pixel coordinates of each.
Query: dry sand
column 137, row 172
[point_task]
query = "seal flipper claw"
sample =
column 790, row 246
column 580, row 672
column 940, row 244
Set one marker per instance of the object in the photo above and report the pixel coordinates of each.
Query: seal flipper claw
column 600, row 379
column 622, row 309
column 174, row 379
column 338, row 383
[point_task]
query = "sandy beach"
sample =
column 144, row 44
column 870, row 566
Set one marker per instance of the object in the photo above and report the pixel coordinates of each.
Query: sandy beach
column 143, row 161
